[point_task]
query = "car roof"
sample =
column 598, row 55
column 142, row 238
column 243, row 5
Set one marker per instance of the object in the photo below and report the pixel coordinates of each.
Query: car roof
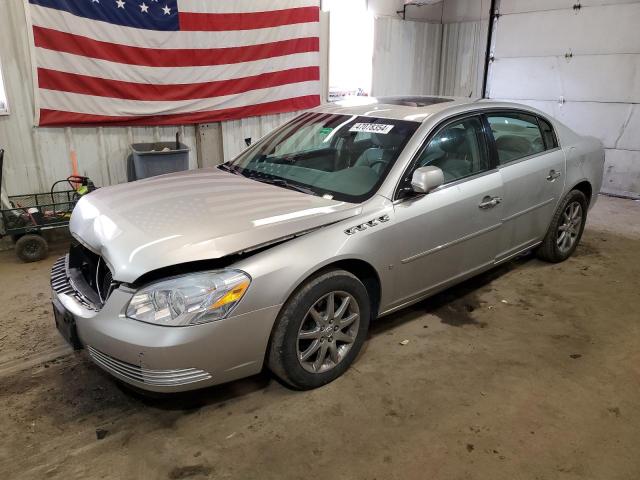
column 417, row 108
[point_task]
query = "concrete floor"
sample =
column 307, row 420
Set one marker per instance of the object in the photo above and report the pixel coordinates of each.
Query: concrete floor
column 531, row 371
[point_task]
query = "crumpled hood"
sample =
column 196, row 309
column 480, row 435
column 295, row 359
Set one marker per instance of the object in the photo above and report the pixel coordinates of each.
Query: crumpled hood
column 196, row 215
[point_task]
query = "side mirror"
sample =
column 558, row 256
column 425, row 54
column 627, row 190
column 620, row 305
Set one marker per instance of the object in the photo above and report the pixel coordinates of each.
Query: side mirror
column 427, row 178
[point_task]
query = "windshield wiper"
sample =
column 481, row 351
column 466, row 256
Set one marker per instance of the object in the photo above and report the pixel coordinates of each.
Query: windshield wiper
column 283, row 183
column 228, row 168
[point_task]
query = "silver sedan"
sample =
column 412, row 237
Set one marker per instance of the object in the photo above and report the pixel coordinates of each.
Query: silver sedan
column 283, row 256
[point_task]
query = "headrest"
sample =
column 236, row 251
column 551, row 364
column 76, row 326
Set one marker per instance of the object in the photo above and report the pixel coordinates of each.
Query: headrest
column 450, row 140
column 513, row 143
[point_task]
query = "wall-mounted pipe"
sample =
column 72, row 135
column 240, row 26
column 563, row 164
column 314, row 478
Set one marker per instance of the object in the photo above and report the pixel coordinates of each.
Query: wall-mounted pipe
column 487, row 57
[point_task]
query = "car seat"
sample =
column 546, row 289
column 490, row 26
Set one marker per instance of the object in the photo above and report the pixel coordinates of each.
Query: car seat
column 455, row 159
column 377, row 158
column 512, row 147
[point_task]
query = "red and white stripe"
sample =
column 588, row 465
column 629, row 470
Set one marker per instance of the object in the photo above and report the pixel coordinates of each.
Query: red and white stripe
column 234, row 60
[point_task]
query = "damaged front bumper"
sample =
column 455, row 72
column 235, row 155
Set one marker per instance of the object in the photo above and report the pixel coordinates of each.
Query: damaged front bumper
column 153, row 357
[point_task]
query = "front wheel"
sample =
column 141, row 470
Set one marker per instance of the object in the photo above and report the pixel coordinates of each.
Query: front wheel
column 320, row 330
column 566, row 228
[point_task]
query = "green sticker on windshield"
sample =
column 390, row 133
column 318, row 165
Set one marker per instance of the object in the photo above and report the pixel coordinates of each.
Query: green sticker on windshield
column 326, row 130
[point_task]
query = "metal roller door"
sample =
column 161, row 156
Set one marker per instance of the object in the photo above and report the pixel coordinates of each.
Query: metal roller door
column 580, row 62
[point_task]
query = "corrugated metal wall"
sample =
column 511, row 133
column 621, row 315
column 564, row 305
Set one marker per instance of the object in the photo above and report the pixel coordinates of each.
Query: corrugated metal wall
column 406, row 57
column 36, row 157
column 462, row 61
column 580, row 65
column 464, row 46
column 444, row 58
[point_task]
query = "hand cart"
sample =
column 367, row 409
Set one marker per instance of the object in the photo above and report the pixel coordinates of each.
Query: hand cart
column 25, row 217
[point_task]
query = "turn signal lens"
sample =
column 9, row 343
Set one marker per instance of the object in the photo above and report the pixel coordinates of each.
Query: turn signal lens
column 233, row 296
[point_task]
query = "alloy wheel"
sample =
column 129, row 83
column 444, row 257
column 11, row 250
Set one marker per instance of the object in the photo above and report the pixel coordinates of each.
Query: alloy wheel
column 328, row 331
column 569, row 229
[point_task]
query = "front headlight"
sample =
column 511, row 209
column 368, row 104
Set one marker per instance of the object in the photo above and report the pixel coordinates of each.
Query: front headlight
column 190, row 299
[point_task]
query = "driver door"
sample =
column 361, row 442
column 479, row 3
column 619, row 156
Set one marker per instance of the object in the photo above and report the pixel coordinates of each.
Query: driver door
column 454, row 229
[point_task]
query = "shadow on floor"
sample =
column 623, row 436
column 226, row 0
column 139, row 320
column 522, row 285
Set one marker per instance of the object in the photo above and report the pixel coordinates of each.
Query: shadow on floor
column 455, row 305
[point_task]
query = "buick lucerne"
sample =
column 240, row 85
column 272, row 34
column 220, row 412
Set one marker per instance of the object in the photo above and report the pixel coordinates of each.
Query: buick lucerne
column 282, row 257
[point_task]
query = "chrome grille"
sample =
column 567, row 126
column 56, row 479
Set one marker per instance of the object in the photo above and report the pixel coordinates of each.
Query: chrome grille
column 61, row 283
column 158, row 378
column 106, row 287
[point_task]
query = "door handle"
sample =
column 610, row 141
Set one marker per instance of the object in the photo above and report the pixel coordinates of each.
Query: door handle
column 489, row 202
column 552, row 175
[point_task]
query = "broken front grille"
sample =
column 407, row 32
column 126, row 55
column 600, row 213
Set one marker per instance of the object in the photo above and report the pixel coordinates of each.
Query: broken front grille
column 61, row 284
column 91, row 271
column 83, row 275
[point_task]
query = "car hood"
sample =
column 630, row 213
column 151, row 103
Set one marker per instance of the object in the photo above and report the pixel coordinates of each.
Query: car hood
column 204, row 214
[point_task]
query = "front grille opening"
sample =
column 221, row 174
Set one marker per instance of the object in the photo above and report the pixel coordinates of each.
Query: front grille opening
column 61, row 285
column 90, row 272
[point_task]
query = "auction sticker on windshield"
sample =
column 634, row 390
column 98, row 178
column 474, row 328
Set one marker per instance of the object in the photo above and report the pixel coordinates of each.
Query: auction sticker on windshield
column 371, row 128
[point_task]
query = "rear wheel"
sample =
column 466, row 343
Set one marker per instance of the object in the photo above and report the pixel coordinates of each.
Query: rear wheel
column 31, row 248
column 566, row 228
column 320, row 330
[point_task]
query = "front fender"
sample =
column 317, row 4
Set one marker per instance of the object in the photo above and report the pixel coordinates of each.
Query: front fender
column 277, row 272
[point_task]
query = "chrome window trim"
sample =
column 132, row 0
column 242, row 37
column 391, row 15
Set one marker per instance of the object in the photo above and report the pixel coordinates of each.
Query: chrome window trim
column 531, row 114
column 494, row 110
column 476, row 112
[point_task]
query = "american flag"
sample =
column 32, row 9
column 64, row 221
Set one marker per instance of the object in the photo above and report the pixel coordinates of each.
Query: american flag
column 163, row 62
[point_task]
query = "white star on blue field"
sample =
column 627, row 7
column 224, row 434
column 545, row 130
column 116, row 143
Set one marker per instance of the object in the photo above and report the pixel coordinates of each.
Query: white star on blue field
column 147, row 14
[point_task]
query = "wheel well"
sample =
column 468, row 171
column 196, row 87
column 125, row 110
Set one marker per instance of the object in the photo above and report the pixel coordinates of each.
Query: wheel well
column 366, row 274
column 362, row 270
column 585, row 187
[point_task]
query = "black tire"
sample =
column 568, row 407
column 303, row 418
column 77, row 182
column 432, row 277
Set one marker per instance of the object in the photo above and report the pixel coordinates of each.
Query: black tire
column 549, row 250
column 282, row 357
column 31, row 248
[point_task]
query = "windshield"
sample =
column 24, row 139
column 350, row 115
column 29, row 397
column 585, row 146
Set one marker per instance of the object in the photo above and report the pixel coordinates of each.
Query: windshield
column 345, row 157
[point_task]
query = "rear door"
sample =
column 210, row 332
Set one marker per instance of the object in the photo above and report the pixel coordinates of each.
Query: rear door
column 453, row 230
column 532, row 167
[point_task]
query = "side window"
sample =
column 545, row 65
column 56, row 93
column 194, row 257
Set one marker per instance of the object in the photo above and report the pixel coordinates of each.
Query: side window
column 458, row 149
column 550, row 140
column 517, row 135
